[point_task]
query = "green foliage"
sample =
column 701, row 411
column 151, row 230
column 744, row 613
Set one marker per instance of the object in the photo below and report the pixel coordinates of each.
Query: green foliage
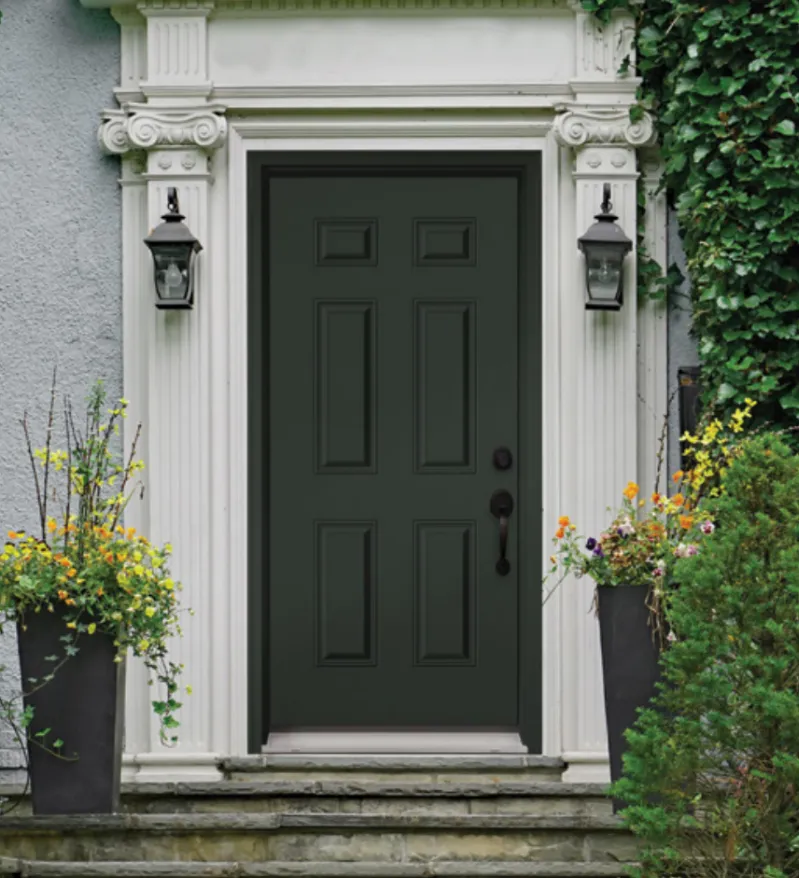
column 712, row 775
column 722, row 81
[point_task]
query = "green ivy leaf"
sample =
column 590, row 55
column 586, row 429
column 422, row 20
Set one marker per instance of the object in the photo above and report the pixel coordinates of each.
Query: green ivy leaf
column 787, row 127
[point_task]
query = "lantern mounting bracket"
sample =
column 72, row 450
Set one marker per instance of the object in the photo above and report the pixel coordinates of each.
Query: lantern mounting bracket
column 607, row 204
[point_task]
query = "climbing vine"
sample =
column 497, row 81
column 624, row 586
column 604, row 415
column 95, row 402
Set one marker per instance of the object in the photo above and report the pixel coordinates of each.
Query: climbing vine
column 721, row 79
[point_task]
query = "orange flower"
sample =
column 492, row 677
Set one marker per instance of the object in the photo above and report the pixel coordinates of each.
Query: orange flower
column 564, row 521
column 631, row 491
column 656, row 497
column 72, row 573
column 560, row 533
column 686, row 521
column 63, row 595
column 677, row 476
column 678, row 499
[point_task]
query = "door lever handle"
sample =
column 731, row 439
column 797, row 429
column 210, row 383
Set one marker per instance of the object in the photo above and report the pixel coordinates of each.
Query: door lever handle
column 502, row 508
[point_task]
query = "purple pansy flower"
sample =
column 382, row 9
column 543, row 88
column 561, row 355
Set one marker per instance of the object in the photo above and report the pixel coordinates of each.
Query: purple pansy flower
column 598, row 552
column 590, row 543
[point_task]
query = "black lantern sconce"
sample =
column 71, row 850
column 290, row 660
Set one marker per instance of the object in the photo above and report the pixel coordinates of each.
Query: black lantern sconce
column 174, row 250
column 605, row 245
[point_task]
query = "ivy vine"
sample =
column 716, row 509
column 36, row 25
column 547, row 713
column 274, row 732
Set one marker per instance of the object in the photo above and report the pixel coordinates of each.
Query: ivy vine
column 722, row 81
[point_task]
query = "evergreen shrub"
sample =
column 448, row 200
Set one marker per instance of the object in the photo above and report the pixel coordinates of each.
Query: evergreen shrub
column 712, row 773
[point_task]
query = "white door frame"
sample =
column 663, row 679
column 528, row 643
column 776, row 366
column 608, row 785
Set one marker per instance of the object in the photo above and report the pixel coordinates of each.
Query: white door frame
column 604, row 375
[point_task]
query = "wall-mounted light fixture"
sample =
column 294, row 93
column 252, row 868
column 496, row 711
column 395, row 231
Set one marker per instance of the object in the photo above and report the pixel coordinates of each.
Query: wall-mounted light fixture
column 174, row 250
column 605, row 245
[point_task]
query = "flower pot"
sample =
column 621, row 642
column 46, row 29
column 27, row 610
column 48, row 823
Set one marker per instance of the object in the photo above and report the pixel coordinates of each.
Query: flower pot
column 83, row 707
column 630, row 664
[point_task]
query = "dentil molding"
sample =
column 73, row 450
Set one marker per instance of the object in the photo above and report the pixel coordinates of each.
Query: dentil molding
column 579, row 125
column 141, row 126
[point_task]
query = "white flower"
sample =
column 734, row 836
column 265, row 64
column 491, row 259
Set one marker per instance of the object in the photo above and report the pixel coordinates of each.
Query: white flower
column 707, row 527
column 626, row 529
column 671, row 637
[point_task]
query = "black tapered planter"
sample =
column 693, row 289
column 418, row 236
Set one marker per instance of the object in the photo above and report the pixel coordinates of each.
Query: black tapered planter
column 630, row 664
column 82, row 706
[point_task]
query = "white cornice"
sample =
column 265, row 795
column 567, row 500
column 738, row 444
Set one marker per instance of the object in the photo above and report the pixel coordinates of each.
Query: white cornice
column 140, row 126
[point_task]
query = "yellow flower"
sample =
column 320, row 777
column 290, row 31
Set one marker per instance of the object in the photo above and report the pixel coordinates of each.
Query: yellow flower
column 631, row 491
column 168, row 584
column 149, row 612
column 143, row 645
column 51, row 525
column 71, row 625
column 138, row 570
column 91, row 628
column 189, row 690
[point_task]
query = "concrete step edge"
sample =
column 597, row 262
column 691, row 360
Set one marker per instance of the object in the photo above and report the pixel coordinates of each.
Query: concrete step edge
column 450, row 789
column 245, row 822
column 388, row 762
column 133, row 869
column 373, row 788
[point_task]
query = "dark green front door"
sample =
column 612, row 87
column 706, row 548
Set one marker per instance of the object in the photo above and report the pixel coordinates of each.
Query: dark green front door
column 393, row 368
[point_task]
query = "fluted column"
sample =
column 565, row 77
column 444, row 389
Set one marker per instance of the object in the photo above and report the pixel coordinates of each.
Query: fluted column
column 167, row 140
column 601, row 420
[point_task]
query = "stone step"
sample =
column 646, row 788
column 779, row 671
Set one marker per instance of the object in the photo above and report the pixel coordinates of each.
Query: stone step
column 431, row 768
column 356, row 796
column 419, row 838
column 375, row 797
column 117, row 869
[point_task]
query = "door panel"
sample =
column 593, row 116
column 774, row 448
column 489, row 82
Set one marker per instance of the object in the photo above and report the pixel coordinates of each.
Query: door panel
column 393, row 364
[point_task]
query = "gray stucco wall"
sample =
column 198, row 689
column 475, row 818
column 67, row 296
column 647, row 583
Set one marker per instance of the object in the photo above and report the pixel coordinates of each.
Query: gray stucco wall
column 682, row 347
column 60, row 222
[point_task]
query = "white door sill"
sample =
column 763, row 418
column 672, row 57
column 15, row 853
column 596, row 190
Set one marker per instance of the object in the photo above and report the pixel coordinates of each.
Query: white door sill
column 395, row 743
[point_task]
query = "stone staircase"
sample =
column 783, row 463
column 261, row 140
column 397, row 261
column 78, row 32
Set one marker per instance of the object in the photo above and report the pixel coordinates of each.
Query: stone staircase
column 504, row 816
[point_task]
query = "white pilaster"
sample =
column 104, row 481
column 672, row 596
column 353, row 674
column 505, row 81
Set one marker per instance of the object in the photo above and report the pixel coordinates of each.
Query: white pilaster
column 602, row 390
column 166, row 140
column 177, row 49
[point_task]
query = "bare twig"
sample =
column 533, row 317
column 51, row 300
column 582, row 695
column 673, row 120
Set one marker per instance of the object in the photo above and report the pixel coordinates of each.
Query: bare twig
column 126, row 474
column 48, row 446
column 32, row 458
column 69, row 473
column 664, row 435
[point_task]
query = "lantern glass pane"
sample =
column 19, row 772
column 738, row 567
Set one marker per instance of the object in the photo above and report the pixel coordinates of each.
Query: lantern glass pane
column 172, row 263
column 604, row 272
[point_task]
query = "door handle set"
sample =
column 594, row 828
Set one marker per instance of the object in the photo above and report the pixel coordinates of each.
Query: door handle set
column 502, row 508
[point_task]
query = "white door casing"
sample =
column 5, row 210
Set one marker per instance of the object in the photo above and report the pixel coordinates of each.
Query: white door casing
column 205, row 82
